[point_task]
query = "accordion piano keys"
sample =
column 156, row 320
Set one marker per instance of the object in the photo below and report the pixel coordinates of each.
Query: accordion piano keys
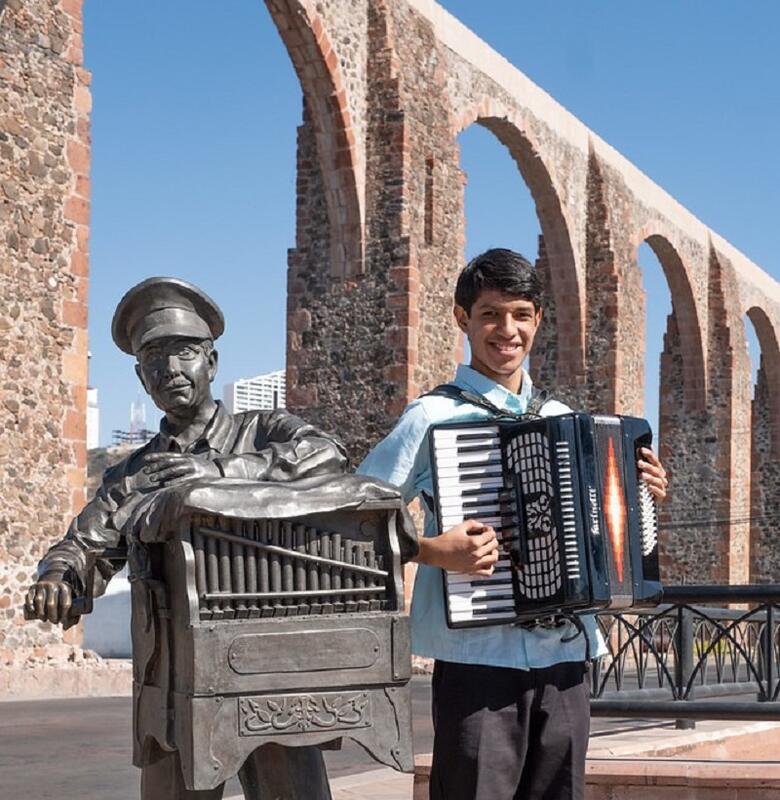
column 470, row 485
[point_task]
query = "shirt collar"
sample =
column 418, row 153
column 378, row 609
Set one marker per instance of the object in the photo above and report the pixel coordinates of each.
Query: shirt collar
column 496, row 393
column 214, row 437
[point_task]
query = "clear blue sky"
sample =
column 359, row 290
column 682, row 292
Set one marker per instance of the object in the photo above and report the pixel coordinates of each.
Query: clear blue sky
column 196, row 107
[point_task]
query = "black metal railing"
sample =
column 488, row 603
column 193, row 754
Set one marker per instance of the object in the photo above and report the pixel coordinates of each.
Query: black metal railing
column 686, row 660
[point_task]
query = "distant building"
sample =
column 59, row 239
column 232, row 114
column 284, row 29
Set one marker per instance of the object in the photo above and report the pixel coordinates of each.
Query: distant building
column 93, row 418
column 120, row 438
column 265, row 392
column 93, row 411
column 138, row 434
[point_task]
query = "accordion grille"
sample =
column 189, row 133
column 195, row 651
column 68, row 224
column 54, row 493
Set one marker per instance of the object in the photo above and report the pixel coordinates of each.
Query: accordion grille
column 528, row 457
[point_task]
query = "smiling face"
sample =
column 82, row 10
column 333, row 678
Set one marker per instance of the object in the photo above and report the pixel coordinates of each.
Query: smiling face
column 501, row 329
column 177, row 373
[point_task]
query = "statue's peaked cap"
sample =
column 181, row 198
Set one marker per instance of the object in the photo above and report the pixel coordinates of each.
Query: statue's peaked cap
column 160, row 307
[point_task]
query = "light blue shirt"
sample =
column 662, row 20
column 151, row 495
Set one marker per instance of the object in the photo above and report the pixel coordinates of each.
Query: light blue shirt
column 402, row 458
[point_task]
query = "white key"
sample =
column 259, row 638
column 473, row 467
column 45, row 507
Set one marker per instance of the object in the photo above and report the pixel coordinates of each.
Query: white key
column 484, row 447
column 448, row 520
column 476, row 469
column 454, row 488
column 461, row 604
column 443, row 435
column 474, row 500
column 491, row 590
column 499, row 575
column 456, row 618
column 455, row 460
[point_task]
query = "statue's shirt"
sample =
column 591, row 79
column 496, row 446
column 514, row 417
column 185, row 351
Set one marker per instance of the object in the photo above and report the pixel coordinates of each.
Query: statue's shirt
column 255, row 445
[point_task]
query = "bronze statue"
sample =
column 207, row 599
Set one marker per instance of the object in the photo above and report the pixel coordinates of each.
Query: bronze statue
column 170, row 326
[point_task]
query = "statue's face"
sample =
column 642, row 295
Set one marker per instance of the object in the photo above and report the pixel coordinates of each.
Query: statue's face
column 177, row 373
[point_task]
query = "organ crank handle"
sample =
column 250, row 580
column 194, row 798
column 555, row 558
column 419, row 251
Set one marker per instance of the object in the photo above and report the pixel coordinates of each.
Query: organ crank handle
column 79, row 605
column 85, row 603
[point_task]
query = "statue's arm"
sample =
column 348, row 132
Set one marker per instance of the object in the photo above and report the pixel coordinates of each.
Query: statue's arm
column 65, row 569
column 90, row 530
column 285, row 448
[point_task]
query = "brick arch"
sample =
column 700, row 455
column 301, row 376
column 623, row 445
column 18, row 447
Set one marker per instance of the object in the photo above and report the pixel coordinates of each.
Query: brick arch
column 686, row 312
column 317, row 66
column 770, row 359
column 567, row 293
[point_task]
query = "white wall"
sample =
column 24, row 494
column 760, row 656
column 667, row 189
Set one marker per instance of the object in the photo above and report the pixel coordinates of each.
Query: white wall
column 107, row 628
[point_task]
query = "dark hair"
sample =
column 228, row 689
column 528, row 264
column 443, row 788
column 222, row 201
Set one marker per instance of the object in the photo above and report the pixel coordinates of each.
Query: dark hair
column 500, row 269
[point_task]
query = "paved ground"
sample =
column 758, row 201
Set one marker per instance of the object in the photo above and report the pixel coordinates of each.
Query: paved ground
column 380, row 784
column 79, row 749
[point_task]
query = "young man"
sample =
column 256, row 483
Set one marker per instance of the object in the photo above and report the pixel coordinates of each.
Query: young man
column 511, row 706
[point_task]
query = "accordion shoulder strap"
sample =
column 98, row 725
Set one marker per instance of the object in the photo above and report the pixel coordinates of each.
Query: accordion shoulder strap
column 538, row 398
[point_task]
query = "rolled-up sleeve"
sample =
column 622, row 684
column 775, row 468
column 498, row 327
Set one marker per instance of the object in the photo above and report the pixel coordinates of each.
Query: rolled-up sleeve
column 400, row 458
column 91, row 529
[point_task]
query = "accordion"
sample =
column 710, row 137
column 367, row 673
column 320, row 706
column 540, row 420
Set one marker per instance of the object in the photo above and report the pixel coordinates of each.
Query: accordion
column 576, row 525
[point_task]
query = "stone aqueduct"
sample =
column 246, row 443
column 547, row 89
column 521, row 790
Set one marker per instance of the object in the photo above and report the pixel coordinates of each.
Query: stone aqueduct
column 388, row 85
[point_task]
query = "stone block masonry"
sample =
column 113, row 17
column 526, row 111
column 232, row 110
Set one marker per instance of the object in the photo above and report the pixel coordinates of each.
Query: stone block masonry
column 388, row 85
column 44, row 225
column 377, row 329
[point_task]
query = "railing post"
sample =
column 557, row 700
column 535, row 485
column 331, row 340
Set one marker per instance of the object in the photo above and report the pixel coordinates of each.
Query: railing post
column 769, row 654
column 684, row 663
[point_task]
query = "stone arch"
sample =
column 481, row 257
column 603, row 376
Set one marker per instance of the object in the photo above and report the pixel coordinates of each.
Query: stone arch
column 325, row 97
column 770, row 363
column 686, row 313
column 558, row 251
column 762, row 424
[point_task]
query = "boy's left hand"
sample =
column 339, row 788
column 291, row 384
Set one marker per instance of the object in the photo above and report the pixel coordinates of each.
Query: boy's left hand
column 653, row 473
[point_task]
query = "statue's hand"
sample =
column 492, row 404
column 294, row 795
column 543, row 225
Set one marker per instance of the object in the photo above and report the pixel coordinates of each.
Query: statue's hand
column 49, row 599
column 169, row 469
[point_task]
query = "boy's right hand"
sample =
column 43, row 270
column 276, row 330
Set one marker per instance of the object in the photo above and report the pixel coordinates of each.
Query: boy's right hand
column 469, row 547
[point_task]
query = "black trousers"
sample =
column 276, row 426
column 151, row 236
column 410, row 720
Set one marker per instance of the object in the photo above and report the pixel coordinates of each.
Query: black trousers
column 271, row 772
column 509, row 734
